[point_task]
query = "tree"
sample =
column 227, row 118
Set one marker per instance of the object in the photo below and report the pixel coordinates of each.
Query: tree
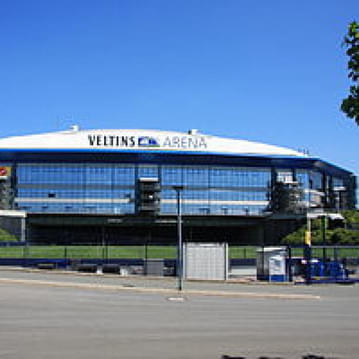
column 350, row 105
column 345, row 237
column 351, row 218
column 297, row 237
column 335, row 236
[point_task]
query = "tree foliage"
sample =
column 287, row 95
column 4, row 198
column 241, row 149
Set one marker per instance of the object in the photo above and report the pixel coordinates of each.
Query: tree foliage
column 351, row 217
column 350, row 105
column 349, row 235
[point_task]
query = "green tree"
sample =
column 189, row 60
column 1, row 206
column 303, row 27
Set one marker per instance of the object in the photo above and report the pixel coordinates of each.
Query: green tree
column 350, row 105
column 297, row 237
column 351, row 217
column 345, row 236
column 339, row 236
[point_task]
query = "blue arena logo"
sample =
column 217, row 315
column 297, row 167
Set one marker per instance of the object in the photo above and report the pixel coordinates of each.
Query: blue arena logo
column 146, row 141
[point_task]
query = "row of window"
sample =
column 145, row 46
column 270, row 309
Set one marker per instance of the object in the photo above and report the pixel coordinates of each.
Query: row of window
column 169, row 175
column 128, row 208
column 127, row 174
column 113, row 186
column 209, row 194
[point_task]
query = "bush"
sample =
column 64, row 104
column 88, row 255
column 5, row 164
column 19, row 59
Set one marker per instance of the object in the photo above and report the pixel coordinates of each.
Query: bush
column 351, row 217
column 343, row 236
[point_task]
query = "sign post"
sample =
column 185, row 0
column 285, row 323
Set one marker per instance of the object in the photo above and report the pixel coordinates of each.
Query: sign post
column 178, row 190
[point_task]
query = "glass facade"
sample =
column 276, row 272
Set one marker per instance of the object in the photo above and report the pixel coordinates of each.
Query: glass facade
column 103, row 188
column 75, row 188
column 111, row 188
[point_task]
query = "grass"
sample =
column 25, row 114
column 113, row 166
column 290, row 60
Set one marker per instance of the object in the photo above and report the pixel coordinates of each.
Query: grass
column 243, row 252
column 170, row 252
column 88, row 252
column 6, row 236
column 330, row 253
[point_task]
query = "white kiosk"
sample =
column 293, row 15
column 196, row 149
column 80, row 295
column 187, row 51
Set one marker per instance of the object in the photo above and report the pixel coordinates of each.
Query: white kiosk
column 206, row 261
column 271, row 264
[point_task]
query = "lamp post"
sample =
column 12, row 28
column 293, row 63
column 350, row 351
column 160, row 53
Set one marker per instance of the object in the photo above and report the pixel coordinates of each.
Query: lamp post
column 178, row 190
column 308, row 251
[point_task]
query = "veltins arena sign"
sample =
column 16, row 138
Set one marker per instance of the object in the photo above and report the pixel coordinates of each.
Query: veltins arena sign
column 159, row 142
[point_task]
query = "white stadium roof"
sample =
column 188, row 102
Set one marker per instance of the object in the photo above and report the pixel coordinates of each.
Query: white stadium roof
column 142, row 140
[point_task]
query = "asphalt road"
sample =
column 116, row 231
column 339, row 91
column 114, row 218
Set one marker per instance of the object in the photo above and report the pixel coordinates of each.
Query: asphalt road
column 40, row 321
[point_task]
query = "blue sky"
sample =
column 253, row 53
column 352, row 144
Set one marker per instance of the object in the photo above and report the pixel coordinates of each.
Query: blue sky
column 268, row 71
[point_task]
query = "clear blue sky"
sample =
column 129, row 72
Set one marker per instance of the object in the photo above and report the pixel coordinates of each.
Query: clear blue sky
column 269, row 71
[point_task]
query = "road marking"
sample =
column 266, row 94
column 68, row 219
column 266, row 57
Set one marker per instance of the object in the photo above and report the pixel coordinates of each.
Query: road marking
column 176, row 299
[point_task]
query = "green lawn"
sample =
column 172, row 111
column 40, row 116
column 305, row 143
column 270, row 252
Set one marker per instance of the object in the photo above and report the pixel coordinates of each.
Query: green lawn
column 243, row 252
column 6, row 236
column 79, row 252
column 11, row 252
column 170, row 252
column 330, row 253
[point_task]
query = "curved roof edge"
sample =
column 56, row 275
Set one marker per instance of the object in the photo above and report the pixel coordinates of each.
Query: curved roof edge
column 148, row 140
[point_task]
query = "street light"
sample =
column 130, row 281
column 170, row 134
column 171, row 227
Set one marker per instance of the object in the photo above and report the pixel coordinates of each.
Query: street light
column 308, row 250
column 178, row 190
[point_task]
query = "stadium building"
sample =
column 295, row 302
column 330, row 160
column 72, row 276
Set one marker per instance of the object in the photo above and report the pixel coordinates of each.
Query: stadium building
column 124, row 186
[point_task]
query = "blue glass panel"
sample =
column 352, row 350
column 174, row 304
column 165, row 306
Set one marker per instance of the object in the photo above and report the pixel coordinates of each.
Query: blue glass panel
column 99, row 174
column 196, row 176
column 171, row 176
column 124, row 175
column 148, row 171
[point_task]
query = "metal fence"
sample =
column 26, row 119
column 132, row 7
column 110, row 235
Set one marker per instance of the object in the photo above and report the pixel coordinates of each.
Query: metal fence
column 242, row 259
column 337, row 253
column 21, row 250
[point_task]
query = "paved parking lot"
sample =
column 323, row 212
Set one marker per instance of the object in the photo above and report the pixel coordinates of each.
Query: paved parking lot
column 43, row 321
